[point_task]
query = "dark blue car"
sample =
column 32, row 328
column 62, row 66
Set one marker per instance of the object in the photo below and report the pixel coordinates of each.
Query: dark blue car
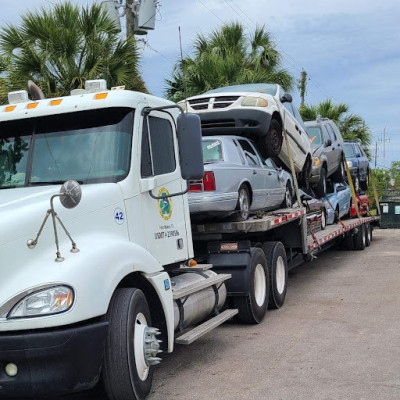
column 358, row 164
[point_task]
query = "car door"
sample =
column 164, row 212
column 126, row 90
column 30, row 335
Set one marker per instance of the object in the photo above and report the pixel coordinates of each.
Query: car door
column 275, row 186
column 327, row 149
column 336, row 150
column 256, row 174
column 362, row 161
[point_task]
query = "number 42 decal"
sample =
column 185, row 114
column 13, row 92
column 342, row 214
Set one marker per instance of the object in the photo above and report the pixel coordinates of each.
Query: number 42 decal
column 119, row 216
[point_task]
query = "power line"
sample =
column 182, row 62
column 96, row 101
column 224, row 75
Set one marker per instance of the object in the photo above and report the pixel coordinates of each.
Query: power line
column 215, row 15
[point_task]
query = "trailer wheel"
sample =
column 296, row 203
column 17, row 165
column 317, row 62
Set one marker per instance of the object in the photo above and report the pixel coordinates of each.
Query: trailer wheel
column 367, row 235
column 127, row 373
column 278, row 272
column 252, row 308
column 349, row 241
column 370, row 232
column 359, row 238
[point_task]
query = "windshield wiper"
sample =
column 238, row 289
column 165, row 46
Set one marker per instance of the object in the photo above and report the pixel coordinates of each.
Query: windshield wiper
column 51, row 183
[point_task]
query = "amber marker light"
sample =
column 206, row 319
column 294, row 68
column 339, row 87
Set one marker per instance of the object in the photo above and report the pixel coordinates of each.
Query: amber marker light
column 10, row 108
column 101, row 96
column 31, row 106
column 56, row 102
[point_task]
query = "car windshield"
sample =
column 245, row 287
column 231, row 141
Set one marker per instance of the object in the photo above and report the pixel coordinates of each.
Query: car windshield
column 212, row 151
column 315, row 135
column 266, row 88
column 349, row 150
column 89, row 147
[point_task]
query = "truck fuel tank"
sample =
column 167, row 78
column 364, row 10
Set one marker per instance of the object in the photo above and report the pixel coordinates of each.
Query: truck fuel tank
column 197, row 306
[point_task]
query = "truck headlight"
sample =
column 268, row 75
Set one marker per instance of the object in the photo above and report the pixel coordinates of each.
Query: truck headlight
column 252, row 101
column 349, row 164
column 316, row 161
column 50, row 301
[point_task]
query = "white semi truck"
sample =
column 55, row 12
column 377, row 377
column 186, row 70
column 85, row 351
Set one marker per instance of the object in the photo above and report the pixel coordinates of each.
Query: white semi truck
column 98, row 278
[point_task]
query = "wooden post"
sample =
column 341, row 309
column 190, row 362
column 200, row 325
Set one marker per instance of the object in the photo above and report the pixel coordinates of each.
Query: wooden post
column 129, row 19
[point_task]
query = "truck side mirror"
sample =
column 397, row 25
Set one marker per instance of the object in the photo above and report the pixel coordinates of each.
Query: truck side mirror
column 286, row 98
column 190, row 146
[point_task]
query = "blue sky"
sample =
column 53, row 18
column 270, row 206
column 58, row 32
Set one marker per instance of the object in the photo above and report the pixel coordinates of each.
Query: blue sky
column 350, row 48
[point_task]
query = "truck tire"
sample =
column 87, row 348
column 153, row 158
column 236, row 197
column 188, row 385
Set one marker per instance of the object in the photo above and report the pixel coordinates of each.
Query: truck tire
column 270, row 145
column 370, row 232
column 349, row 241
column 252, row 308
column 278, row 273
column 125, row 372
column 367, row 235
column 359, row 238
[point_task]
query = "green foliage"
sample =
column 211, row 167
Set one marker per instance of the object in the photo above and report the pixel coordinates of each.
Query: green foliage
column 228, row 57
column 61, row 47
column 352, row 126
column 385, row 180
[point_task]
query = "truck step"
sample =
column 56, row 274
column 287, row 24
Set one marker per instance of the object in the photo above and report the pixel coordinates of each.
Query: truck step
column 201, row 330
column 196, row 287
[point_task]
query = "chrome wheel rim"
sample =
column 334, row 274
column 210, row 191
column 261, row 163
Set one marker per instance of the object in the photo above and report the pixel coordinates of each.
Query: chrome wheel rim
column 260, row 285
column 323, row 220
column 280, row 275
column 139, row 347
column 244, row 204
column 288, row 198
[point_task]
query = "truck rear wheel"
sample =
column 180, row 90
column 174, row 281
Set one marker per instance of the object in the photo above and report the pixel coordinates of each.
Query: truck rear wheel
column 278, row 272
column 368, row 232
column 349, row 241
column 359, row 238
column 252, row 308
column 126, row 370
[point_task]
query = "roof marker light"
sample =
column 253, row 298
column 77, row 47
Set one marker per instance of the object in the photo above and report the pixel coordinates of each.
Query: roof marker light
column 101, row 96
column 30, row 106
column 20, row 96
column 97, row 85
column 56, row 102
column 10, row 108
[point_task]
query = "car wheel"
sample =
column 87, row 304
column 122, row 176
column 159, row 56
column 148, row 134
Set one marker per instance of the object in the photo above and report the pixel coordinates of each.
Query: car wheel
column 357, row 184
column 321, row 186
column 340, row 173
column 271, row 144
column 364, row 184
column 288, row 201
column 243, row 204
column 323, row 220
column 305, row 174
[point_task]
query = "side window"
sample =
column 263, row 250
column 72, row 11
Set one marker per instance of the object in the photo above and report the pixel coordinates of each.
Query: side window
column 298, row 117
column 325, row 134
column 249, row 152
column 269, row 163
column 288, row 107
column 239, row 152
column 332, row 132
column 158, row 155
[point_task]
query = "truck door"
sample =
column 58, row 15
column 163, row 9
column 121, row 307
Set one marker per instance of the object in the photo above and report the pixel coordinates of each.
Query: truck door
column 165, row 219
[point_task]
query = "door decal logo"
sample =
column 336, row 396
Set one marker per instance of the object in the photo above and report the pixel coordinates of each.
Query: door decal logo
column 164, row 205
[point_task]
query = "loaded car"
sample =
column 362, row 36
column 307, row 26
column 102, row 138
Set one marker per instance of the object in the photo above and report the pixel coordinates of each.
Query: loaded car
column 363, row 206
column 328, row 161
column 259, row 112
column 358, row 164
column 316, row 211
column 337, row 201
column 237, row 180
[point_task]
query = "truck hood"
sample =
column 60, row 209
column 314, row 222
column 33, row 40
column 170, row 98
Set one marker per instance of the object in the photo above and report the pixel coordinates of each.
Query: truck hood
column 22, row 210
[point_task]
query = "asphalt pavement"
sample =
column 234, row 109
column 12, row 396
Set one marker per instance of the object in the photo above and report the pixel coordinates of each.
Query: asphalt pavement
column 337, row 337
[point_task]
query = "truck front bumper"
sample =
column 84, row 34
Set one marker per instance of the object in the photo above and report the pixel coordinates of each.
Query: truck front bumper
column 52, row 362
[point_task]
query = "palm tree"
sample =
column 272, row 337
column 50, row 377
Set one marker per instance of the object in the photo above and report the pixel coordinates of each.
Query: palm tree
column 352, row 126
column 227, row 57
column 61, row 47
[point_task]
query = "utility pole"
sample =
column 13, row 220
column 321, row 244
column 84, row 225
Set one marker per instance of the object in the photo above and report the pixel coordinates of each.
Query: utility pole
column 302, row 87
column 376, row 153
column 130, row 18
column 384, row 140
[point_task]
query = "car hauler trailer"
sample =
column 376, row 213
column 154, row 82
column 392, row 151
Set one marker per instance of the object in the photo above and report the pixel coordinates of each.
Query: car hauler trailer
column 97, row 286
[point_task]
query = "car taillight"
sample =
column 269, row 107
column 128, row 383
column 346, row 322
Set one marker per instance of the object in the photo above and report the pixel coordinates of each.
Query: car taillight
column 209, row 181
column 195, row 187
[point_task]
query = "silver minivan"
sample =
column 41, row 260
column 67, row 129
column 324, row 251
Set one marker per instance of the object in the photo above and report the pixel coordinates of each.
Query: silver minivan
column 328, row 161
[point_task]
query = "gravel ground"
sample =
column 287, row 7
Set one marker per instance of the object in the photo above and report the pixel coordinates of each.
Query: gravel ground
column 337, row 337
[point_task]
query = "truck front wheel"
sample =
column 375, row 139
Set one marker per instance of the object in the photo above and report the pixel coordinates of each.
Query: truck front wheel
column 252, row 308
column 131, row 347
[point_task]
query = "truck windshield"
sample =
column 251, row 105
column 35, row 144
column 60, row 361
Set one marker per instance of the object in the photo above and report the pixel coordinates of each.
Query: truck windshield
column 266, row 88
column 89, row 146
column 315, row 135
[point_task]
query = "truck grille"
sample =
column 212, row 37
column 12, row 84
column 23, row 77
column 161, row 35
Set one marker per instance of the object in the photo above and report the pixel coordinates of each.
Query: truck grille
column 219, row 123
column 210, row 103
